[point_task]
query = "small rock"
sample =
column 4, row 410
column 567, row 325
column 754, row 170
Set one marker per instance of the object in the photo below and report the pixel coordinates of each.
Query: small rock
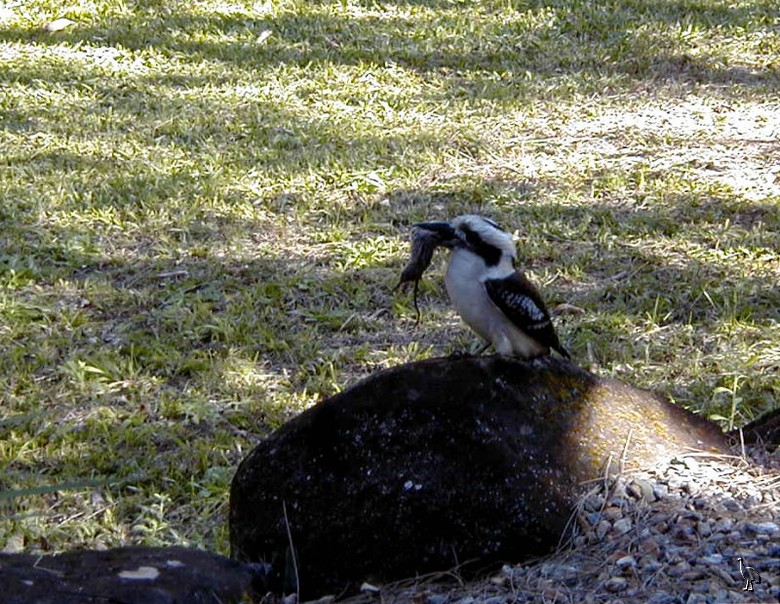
column 619, row 490
column 762, row 537
column 646, row 487
column 751, row 501
column 661, row 597
column 685, row 532
column 675, row 483
column 677, row 570
column 660, row 491
column 651, row 546
column 593, row 518
column 367, row 588
column 672, row 555
column 633, row 490
column 615, row 584
column 763, row 527
column 723, row 525
column 622, row 526
column 499, row 580
column 625, row 562
column 594, row 503
column 712, row 560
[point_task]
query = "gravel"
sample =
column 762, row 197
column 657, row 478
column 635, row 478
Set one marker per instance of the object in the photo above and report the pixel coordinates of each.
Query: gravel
column 668, row 534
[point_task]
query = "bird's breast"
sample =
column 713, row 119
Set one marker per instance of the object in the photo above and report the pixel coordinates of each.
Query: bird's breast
column 464, row 282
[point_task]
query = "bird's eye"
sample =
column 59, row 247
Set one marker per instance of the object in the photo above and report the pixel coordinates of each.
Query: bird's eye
column 472, row 238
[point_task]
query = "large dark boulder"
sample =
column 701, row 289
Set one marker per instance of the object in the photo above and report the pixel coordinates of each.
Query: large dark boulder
column 763, row 430
column 130, row 575
column 429, row 465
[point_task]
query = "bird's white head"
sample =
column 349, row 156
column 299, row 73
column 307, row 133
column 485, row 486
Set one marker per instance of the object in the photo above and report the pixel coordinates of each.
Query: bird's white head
column 476, row 234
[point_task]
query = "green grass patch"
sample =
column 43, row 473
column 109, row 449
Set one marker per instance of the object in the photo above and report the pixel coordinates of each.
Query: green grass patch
column 205, row 207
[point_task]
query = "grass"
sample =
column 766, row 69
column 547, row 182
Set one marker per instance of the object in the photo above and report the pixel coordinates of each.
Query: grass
column 205, row 206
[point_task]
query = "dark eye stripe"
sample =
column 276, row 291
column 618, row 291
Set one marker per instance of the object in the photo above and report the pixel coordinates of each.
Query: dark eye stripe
column 489, row 253
column 472, row 237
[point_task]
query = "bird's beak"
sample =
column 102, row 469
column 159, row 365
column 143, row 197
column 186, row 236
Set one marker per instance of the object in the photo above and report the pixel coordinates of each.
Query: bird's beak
column 440, row 232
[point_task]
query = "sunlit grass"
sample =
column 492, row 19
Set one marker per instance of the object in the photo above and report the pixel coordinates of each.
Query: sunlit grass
column 206, row 205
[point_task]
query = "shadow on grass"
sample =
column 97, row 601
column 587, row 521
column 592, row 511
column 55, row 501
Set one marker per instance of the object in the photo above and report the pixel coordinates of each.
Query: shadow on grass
column 165, row 367
column 144, row 112
column 670, row 271
column 635, row 42
column 140, row 319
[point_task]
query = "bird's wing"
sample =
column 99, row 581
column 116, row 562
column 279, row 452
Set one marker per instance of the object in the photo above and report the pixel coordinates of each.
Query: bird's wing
column 522, row 303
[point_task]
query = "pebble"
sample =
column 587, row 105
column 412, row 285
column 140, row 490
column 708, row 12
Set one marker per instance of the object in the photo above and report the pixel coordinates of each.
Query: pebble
column 622, row 526
column 714, row 559
column 662, row 598
column 763, row 527
column 616, row 584
column 723, row 525
column 602, row 529
column 660, row 491
column 594, row 503
column 677, row 570
column 646, row 488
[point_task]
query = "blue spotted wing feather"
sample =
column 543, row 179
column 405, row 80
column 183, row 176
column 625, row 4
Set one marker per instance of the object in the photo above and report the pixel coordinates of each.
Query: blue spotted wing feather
column 522, row 303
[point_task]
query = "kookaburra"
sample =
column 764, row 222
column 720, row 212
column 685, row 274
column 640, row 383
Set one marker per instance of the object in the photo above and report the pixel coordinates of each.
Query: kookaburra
column 492, row 297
